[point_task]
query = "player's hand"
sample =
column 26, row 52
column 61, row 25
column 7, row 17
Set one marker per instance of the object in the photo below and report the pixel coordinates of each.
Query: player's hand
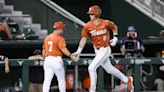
column 76, row 54
column 74, row 57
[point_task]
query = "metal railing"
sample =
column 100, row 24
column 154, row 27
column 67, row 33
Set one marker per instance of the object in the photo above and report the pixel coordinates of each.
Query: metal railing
column 25, row 64
column 63, row 12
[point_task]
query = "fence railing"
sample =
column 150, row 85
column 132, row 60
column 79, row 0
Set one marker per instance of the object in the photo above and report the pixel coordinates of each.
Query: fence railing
column 25, row 64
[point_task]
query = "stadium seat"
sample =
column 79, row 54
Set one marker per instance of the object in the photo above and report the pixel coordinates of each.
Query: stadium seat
column 29, row 34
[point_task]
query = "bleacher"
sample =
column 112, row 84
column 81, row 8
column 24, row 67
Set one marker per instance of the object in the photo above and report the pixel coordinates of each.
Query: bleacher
column 21, row 25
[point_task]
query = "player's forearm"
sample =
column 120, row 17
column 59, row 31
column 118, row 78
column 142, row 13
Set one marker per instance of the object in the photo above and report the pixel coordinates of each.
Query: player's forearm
column 66, row 52
column 81, row 45
column 115, row 31
column 82, row 42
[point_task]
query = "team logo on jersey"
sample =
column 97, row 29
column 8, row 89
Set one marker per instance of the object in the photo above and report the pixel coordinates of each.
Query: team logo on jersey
column 97, row 32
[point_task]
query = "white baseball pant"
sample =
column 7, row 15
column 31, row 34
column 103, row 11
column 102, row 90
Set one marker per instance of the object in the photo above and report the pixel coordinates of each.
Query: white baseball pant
column 102, row 58
column 54, row 65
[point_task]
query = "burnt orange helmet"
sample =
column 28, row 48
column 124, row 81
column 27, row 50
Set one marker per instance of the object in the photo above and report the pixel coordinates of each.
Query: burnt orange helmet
column 95, row 10
column 59, row 25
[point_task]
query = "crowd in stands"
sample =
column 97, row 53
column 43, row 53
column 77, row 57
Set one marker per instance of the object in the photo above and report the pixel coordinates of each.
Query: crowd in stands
column 157, row 6
column 10, row 30
column 5, row 32
column 36, row 73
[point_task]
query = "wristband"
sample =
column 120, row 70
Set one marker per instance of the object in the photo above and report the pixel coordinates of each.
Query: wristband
column 115, row 35
column 79, row 50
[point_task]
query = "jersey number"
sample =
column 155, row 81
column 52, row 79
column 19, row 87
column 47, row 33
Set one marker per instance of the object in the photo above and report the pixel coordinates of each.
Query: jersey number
column 50, row 46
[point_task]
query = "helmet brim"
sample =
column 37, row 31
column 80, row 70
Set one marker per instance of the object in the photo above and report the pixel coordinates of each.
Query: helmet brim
column 90, row 13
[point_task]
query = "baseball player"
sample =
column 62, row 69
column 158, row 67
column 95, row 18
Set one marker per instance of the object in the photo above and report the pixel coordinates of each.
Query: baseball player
column 98, row 30
column 6, row 63
column 54, row 47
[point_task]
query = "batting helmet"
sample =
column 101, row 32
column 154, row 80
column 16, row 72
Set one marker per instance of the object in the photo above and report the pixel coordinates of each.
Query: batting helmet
column 59, row 25
column 95, row 10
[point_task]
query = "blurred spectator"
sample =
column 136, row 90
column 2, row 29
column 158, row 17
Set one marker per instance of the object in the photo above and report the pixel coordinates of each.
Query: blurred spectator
column 36, row 72
column 131, row 47
column 160, row 76
column 4, row 30
column 70, row 80
column 159, row 36
column 6, row 63
column 132, row 43
column 37, row 55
